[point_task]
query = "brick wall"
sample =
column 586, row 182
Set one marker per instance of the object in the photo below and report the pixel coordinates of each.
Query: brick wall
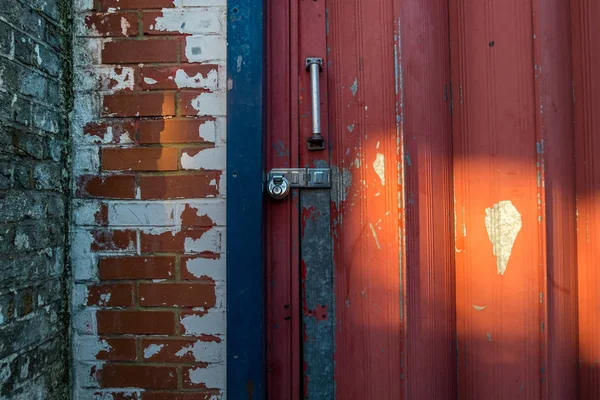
column 33, row 180
column 149, row 209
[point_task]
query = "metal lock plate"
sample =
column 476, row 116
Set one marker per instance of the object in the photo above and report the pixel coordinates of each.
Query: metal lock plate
column 305, row 178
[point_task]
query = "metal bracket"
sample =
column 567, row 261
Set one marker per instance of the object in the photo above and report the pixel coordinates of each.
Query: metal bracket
column 307, row 178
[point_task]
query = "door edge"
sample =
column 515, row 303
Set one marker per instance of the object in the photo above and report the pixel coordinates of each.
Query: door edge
column 245, row 206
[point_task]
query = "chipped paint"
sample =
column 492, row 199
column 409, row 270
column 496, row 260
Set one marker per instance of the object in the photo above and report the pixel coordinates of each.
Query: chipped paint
column 341, row 184
column 213, row 376
column 479, row 308
column 379, row 167
column 354, row 87
column 203, row 351
column 153, row 350
column 503, row 224
column 375, row 236
column 183, row 80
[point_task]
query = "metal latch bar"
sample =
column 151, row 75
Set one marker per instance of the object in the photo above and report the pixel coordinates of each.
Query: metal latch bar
column 315, row 178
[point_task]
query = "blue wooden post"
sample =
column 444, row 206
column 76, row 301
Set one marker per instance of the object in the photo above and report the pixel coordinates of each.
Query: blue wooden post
column 245, row 259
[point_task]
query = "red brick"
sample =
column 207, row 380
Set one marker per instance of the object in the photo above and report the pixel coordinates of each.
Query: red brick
column 115, row 24
column 169, row 241
column 141, row 51
column 171, row 350
column 202, row 184
column 111, row 295
column 180, row 395
column 173, row 130
column 108, row 187
column 115, row 268
column 177, row 294
column 144, row 104
column 136, row 322
column 190, row 217
column 139, row 376
column 120, row 131
column 111, row 240
column 165, row 76
column 101, row 216
column 140, row 159
column 133, row 4
column 120, row 349
column 187, row 99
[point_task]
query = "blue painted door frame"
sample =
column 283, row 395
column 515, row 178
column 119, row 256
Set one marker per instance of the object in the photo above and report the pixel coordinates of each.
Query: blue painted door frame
column 245, row 159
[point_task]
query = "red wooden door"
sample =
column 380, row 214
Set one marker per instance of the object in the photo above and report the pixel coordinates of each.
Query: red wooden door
column 442, row 262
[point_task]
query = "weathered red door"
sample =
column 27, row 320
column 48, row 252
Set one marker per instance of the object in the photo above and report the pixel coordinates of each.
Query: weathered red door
column 441, row 264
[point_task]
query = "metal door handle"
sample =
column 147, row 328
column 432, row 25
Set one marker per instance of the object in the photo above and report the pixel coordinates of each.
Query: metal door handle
column 316, row 141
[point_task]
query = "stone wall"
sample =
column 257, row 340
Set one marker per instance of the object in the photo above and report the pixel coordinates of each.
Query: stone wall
column 34, row 52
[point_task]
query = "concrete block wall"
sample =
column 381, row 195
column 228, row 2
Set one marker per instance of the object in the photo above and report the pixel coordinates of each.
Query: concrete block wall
column 34, row 47
column 148, row 234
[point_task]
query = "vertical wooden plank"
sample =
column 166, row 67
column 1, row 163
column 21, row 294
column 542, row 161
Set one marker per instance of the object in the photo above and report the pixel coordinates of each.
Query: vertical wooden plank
column 282, row 219
column 586, row 94
column 245, row 159
column 366, row 156
column 316, row 269
column 556, row 168
column 496, row 187
column 427, row 135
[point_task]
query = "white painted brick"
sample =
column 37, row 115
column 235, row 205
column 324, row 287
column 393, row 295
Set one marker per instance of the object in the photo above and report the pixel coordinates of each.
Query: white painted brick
column 216, row 210
column 221, row 124
column 84, row 212
column 103, row 78
column 79, row 296
column 86, row 373
column 211, row 352
column 110, row 394
column 208, row 159
column 205, row 48
column 214, row 269
column 210, row 241
column 201, row 3
column 83, row 5
column 212, row 323
column 190, row 21
column 210, row 103
column 87, row 51
column 141, row 214
column 213, row 376
column 84, row 322
column 86, row 348
column 86, row 160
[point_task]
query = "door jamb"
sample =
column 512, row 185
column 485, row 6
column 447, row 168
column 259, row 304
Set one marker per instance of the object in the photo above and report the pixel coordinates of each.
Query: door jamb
column 245, row 208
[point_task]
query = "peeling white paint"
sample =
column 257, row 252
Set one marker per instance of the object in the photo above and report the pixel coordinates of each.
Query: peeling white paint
column 379, row 167
column 204, row 351
column 205, row 48
column 212, row 376
column 213, row 269
column 210, row 241
column 125, row 25
column 183, row 80
column 212, row 323
column 503, row 224
column 375, row 236
column 195, row 21
column 150, row 81
column 208, row 159
column 354, row 87
column 479, row 308
column 152, row 350
column 209, row 103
